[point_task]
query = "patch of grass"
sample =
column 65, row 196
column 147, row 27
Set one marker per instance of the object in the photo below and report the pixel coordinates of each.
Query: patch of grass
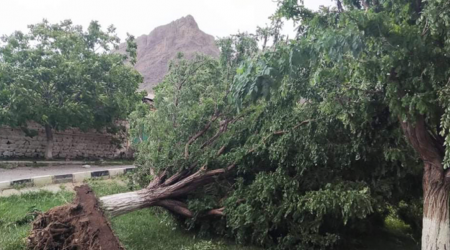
column 152, row 228
column 142, row 230
column 34, row 165
column 17, row 211
column 107, row 187
column 114, row 163
column 138, row 230
column 13, row 165
column 5, row 165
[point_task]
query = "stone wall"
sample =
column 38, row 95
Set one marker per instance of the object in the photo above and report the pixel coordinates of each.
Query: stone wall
column 68, row 144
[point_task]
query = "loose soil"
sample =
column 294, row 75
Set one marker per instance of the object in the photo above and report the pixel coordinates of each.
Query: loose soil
column 77, row 226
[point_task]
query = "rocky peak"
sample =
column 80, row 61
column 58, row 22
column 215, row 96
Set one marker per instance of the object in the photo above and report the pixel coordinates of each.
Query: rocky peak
column 155, row 50
column 187, row 21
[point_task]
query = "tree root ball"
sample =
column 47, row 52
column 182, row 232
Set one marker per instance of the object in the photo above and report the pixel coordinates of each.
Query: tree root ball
column 80, row 225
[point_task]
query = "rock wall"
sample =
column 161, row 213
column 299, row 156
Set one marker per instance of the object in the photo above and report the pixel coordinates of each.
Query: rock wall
column 68, row 144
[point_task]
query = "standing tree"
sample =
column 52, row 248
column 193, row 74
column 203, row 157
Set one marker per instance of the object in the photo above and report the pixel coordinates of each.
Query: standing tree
column 368, row 56
column 60, row 76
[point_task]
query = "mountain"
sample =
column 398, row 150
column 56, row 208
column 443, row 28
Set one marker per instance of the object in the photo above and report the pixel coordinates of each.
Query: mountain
column 155, row 50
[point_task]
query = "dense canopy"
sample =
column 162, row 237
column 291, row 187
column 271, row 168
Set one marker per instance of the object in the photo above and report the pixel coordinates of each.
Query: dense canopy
column 60, row 76
column 328, row 131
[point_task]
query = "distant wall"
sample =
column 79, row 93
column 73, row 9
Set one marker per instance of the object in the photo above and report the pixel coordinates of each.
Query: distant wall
column 71, row 143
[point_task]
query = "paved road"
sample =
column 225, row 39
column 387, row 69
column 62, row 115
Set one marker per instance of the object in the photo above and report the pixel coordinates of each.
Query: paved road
column 28, row 172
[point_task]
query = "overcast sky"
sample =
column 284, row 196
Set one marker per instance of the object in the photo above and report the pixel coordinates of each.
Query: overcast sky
column 216, row 17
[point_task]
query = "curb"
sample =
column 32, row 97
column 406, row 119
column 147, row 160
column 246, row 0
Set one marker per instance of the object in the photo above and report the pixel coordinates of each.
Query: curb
column 40, row 181
column 56, row 163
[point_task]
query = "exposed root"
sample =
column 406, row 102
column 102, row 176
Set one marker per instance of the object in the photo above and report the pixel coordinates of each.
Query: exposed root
column 80, row 226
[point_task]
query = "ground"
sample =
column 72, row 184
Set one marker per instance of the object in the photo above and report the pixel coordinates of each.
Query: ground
column 136, row 231
column 16, row 171
column 142, row 229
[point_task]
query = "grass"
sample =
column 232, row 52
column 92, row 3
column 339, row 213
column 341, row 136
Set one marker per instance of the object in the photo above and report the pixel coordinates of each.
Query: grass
column 8, row 165
column 152, row 229
column 16, row 165
column 113, row 162
column 16, row 213
column 137, row 231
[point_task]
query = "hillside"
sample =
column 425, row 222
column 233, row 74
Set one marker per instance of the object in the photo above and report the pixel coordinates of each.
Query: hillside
column 156, row 49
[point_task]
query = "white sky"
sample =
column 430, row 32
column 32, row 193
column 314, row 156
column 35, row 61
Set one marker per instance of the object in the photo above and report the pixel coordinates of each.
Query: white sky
column 215, row 17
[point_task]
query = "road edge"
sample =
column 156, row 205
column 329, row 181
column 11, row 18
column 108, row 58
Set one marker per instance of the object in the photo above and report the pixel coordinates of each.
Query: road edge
column 78, row 177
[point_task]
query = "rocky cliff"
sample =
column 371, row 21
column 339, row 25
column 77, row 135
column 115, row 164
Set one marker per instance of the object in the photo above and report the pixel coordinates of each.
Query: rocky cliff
column 155, row 50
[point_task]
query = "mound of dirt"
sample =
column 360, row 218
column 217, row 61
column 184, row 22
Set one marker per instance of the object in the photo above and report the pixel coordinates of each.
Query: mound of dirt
column 77, row 226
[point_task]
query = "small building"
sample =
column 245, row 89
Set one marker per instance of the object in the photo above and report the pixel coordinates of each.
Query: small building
column 149, row 99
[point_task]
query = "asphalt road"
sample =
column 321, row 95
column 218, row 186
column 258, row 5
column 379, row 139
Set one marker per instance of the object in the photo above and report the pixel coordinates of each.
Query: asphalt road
column 28, row 172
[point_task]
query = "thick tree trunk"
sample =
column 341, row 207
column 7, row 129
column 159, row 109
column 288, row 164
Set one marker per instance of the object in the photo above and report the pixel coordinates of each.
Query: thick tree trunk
column 82, row 224
column 436, row 186
column 123, row 203
column 49, row 145
column 436, row 224
column 164, row 193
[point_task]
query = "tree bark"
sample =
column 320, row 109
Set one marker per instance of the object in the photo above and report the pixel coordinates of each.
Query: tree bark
column 49, row 145
column 164, row 193
column 436, row 186
column 436, row 230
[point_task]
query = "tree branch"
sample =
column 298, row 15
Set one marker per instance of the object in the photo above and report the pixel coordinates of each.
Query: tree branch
column 182, row 209
column 157, row 180
column 218, row 212
column 176, row 207
column 221, row 150
column 196, row 136
column 282, row 132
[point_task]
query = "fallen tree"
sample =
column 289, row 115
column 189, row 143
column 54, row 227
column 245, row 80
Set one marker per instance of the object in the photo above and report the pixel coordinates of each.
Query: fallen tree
column 83, row 225
column 279, row 173
column 163, row 192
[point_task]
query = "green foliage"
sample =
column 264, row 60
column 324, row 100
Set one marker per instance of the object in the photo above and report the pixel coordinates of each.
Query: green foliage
column 60, row 75
column 235, row 49
column 185, row 102
column 393, row 56
column 306, row 178
column 372, row 67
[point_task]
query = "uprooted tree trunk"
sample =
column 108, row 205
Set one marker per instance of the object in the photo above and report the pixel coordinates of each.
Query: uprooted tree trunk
column 82, row 225
column 162, row 192
column 436, row 186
